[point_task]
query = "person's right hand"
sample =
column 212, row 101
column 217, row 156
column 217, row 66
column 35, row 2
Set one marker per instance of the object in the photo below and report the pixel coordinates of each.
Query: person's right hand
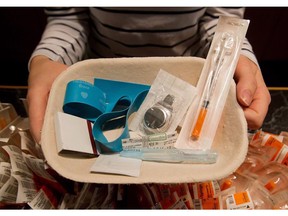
column 43, row 72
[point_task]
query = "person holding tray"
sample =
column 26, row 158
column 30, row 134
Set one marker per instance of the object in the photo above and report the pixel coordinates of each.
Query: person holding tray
column 75, row 34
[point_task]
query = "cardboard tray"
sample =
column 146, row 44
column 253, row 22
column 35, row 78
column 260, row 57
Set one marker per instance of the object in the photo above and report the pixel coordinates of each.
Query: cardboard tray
column 231, row 140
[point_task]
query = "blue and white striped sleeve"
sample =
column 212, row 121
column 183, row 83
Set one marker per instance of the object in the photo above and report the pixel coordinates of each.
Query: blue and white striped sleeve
column 65, row 36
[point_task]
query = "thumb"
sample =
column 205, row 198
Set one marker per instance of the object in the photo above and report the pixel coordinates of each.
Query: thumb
column 246, row 81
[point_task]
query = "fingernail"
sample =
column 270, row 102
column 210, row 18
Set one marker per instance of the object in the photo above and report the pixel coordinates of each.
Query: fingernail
column 247, row 97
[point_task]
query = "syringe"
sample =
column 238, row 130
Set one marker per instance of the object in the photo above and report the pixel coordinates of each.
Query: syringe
column 223, row 48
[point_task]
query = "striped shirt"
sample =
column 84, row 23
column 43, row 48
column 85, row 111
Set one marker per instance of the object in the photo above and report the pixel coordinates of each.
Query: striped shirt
column 74, row 34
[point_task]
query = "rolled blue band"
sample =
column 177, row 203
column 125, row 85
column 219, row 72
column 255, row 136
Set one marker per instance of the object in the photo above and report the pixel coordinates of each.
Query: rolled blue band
column 108, row 104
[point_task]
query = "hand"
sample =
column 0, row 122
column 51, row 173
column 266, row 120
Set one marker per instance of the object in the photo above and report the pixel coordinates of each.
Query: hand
column 42, row 74
column 252, row 92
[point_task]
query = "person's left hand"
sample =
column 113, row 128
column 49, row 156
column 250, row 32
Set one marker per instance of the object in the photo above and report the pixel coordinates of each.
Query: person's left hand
column 252, row 92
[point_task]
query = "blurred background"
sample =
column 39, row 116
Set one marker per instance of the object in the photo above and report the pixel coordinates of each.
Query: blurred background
column 22, row 28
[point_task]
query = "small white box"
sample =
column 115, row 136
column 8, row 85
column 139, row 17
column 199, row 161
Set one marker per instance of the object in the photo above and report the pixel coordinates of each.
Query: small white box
column 74, row 134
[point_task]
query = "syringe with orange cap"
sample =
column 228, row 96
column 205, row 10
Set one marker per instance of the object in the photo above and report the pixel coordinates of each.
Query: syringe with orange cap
column 222, row 49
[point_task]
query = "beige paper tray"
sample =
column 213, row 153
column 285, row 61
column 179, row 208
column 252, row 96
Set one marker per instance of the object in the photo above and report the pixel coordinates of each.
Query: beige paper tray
column 231, row 140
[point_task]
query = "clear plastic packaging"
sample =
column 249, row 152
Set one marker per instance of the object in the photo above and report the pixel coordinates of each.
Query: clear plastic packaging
column 270, row 191
column 251, row 164
column 273, row 142
column 164, row 106
column 276, row 183
column 237, row 180
column 172, row 155
column 270, row 168
column 204, row 114
column 280, row 199
column 260, row 196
